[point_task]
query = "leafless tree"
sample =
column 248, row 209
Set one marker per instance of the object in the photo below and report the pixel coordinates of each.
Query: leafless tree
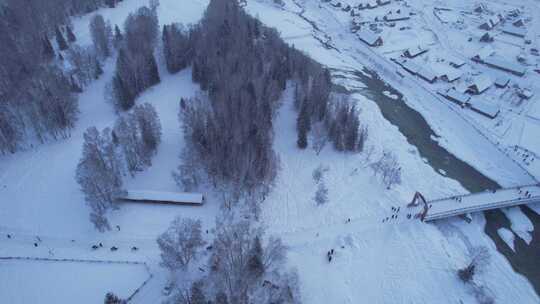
column 101, row 33
column 388, row 168
column 320, row 136
column 321, row 195
column 180, row 243
column 319, row 172
column 99, row 175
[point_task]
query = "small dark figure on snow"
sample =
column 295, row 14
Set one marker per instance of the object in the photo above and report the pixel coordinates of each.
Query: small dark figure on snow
column 209, row 247
column 9, row 236
column 118, row 227
column 100, row 245
column 35, row 244
column 134, row 248
column 94, row 247
column 114, row 248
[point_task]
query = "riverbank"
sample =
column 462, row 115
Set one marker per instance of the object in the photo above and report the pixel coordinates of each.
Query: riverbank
column 419, row 134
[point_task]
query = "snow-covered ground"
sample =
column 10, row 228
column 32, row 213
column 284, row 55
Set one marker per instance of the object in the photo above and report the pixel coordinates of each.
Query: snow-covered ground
column 71, row 281
column 396, row 261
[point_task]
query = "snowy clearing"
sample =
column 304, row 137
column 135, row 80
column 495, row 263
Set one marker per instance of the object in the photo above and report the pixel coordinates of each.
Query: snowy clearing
column 72, row 280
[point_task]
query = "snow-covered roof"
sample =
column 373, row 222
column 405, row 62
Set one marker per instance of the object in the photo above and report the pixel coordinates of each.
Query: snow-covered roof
column 499, row 62
column 513, row 30
column 410, row 66
column 494, row 21
column 502, row 81
column 426, row 73
column 368, row 37
column 529, row 137
column 395, row 16
column 482, row 83
column 457, row 96
column 415, row 51
column 485, row 52
column 444, row 70
column 161, row 196
column 484, row 107
column 453, row 75
column 455, row 61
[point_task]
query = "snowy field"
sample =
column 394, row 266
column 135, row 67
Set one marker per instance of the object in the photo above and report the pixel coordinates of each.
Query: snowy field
column 88, row 281
column 398, row 261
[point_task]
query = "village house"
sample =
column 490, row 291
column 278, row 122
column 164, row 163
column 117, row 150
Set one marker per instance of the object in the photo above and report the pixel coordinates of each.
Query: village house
column 456, row 62
column 514, row 31
column 502, row 82
column 519, row 23
column 486, row 109
column 479, row 85
column 487, row 37
column 370, row 38
column 451, row 75
column 501, row 64
column 398, row 15
column 455, row 96
column 414, row 52
column 161, row 197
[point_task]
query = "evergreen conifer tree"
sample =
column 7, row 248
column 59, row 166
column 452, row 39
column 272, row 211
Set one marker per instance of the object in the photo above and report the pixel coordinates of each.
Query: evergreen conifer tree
column 62, row 44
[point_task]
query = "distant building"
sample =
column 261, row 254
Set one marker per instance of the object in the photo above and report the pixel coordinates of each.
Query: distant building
column 456, row 62
column 398, row 15
column 368, row 4
column 490, row 23
column 519, row 23
column 502, row 82
column 480, row 85
column 182, row 198
column 427, row 75
column 481, row 107
column 514, row 31
column 451, row 75
column 525, row 93
column 455, row 96
column 480, row 8
column 409, row 66
column 369, row 38
column 486, row 37
column 415, row 51
column 501, row 64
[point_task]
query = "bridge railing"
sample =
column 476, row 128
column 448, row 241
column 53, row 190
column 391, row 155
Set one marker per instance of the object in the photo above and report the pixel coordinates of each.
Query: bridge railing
column 476, row 208
column 478, row 193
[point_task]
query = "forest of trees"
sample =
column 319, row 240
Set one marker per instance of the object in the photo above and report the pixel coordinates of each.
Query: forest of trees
column 136, row 66
column 243, row 267
column 36, row 93
column 243, row 67
column 109, row 154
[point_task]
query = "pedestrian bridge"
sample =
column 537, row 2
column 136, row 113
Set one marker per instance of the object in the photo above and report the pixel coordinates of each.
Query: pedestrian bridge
column 474, row 202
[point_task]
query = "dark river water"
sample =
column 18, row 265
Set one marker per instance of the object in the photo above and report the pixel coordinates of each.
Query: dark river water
column 526, row 258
